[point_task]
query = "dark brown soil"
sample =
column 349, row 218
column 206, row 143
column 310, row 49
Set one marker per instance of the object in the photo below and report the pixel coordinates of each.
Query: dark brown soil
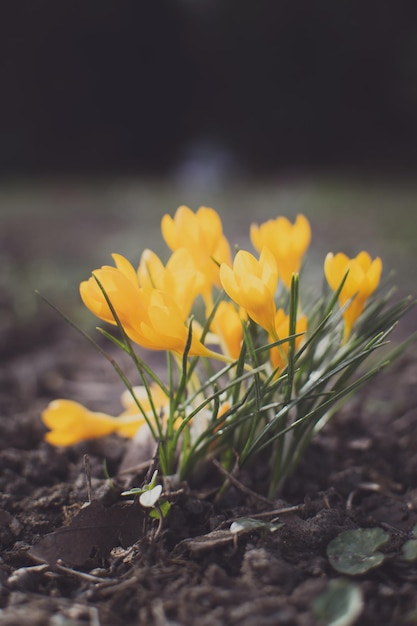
column 360, row 472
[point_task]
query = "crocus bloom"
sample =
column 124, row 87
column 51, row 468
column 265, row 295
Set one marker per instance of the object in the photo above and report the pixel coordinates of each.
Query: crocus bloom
column 150, row 317
column 180, row 278
column 287, row 242
column 252, row 285
column 70, row 422
column 202, row 234
column 165, row 328
column 363, row 275
column 279, row 354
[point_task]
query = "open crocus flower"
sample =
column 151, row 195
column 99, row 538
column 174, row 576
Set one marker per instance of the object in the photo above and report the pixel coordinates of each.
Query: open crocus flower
column 202, row 234
column 166, row 329
column 70, row 422
column 363, row 275
column 252, row 285
column 279, row 354
column 180, row 278
column 287, row 242
column 150, row 317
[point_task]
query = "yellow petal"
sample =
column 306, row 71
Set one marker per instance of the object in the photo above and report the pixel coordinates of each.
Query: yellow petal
column 279, row 354
column 129, row 426
column 210, row 223
column 301, row 235
column 151, row 270
column 126, row 268
column 70, row 422
column 373, row 275
column 252, row 284
column 121, row 291
column 159, row 399
column 269, row 273
column 287, row 242
column 201, row 233
column 335, row 268
column 229, row 281
column 166, row 328
column 228, row 326
column 363, row 276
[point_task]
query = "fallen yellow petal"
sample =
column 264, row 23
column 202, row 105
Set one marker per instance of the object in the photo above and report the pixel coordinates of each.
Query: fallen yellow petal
column 70, row 422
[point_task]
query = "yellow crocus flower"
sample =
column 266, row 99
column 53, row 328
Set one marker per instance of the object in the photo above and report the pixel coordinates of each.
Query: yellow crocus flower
column 252, row 285
column 287, row 242
column 150, row 317
column 363, row 275
column 202, row 234
column 165, row 328
column 279, row 354
column 179, row 277
column 70, row 422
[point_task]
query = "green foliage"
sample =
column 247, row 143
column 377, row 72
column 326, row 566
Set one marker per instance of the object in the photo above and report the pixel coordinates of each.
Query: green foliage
column 267, row 414
column 355, row 552
column 340, row 604
column 409, row 548
column 301, row 356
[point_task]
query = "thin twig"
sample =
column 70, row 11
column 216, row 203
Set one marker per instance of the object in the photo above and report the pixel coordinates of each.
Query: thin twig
column 274, row 513
column 239, row 485
column 285, row 509
column 82, row 575
column 153, row 464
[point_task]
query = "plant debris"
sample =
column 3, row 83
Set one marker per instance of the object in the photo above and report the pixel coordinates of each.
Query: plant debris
column 91, row 534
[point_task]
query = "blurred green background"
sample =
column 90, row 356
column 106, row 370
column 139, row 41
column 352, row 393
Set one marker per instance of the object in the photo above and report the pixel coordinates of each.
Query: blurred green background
column 54, row 234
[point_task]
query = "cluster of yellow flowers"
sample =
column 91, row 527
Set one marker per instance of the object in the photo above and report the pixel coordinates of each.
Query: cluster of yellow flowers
column 154, row 303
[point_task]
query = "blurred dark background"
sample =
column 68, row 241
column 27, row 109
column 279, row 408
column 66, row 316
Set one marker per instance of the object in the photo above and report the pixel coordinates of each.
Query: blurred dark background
column 95, row 87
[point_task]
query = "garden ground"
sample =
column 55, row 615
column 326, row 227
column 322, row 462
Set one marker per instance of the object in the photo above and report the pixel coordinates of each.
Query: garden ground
column 101, row 564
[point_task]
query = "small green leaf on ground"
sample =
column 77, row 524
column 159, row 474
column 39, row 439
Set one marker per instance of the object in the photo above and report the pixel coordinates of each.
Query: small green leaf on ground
column 340, row 604
column 409, row 548
column 356, row 551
